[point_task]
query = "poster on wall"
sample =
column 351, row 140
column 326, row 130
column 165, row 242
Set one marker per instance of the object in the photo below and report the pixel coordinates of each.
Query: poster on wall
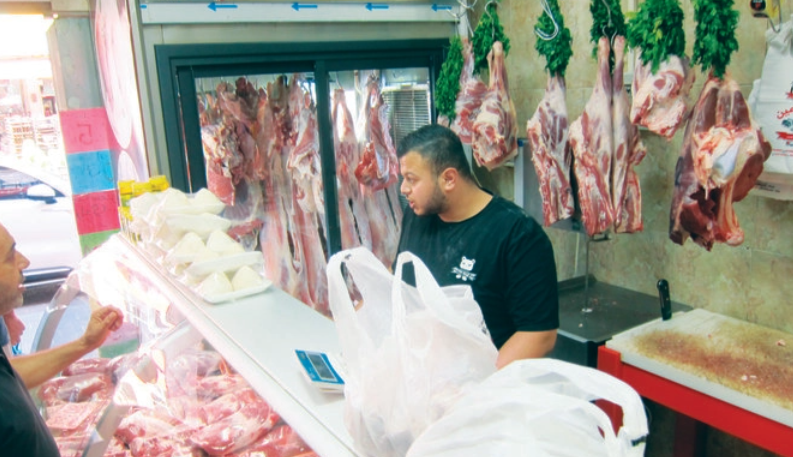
column 114, row 55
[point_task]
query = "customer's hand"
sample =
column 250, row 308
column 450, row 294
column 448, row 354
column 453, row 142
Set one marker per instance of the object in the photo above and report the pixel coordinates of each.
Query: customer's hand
column 103, row 321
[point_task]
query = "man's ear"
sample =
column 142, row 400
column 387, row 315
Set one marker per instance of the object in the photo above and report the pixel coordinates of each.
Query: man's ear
column 448, row 179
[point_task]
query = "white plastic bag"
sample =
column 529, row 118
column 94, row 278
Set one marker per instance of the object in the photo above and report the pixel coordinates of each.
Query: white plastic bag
column 771, row 103
column 541, row 408
column 410, row 352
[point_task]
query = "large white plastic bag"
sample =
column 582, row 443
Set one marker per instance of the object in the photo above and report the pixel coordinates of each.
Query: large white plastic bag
column 410, row 352
column 771, row 102
column 538, row 407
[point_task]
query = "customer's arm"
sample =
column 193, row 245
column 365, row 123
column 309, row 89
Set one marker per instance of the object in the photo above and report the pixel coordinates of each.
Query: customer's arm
column 526, row 345
column 38, row 367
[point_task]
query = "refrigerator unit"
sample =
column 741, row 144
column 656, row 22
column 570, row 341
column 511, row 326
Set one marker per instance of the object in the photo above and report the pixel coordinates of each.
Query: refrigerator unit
column 299, row 140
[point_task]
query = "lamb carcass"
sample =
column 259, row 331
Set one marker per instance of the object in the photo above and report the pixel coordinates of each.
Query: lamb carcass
column 284, row 258
column 591, row 141
column 547, row 132
column 469, row 99
column 354, row 222
column 308, row 207
column 380, row 194
column 722, row 156
column 660, row 99
column 304, row 161
column 495, row 131
column 628, row 152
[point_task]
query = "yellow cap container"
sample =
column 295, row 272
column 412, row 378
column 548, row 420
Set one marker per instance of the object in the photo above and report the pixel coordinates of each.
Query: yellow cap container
column 159, row 183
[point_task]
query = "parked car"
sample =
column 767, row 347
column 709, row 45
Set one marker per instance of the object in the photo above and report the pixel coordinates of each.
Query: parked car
column 36, row 208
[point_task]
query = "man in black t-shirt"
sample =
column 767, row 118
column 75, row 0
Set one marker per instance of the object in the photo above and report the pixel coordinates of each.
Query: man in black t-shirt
column 466, row 235
column 22, row 429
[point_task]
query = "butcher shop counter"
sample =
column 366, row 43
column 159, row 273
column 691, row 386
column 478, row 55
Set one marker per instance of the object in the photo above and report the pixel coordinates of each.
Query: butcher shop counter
column 257, row 335
column 711, row 369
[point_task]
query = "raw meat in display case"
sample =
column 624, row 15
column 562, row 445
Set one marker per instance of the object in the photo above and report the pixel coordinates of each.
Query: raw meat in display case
column 159, row 389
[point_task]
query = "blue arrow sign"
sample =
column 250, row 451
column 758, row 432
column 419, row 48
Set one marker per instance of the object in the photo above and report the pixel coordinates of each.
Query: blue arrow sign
column 216, row 6
column 298, row 6
column 374, row 6
column 436, row 7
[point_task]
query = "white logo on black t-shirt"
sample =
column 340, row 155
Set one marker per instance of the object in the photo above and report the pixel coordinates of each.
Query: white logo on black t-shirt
column 464, row 270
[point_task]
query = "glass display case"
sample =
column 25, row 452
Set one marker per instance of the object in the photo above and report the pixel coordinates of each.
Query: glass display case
column 184, row 376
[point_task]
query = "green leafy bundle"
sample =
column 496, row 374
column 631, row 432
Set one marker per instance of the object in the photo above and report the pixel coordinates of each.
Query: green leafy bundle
column 714, row 34
column 488, row 31
column 448, row 84
column 657, row 29
column 607, row 21
column 557, row 51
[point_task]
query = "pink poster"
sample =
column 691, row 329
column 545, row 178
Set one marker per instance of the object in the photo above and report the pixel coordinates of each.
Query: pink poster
column 114, row 55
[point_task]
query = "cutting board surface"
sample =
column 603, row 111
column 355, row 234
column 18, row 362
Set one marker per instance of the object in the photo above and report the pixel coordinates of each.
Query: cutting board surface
column 744, row 364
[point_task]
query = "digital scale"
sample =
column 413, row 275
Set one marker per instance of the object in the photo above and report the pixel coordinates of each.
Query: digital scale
column 322, row 370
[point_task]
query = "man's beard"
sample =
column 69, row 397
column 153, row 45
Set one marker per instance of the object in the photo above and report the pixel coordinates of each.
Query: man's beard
column 437, row 203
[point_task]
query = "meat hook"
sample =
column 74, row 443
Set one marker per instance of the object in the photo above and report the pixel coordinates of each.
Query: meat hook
column 489, row 2
column 542, row 35
column 463, row 11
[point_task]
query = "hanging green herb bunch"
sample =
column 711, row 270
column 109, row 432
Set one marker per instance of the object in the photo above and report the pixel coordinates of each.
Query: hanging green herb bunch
column 657, row 29
column 607, row 21
column 448, row 84
column 557, row 47
column 488, row 31
column 714, row 34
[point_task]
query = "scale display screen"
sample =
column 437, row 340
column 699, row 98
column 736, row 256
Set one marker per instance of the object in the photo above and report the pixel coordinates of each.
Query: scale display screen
column 319, row 369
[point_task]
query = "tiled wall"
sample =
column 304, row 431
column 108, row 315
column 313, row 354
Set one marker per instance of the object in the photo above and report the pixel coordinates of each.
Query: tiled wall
column 749, row 282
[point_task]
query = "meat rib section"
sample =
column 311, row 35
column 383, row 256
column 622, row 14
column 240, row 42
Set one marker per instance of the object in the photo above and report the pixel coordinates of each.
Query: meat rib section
column 628, row 152
column 469, row 99
column 591, row 141
column 722, row 157
column 660, row 99
column 495, row 131
column 547, row 133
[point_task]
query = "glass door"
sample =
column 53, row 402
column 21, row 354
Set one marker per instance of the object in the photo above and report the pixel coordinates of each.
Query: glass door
column 302, row 150
column 371, row 111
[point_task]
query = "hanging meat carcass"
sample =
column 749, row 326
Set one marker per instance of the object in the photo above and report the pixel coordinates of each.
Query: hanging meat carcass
column 240, row 106
column 307, row 206
column 662, row 77
column 469, row 99
column 220, row 158
column 304, row 160
column 239, row 110
column 591, row 141
column 495, row 131
column 380, row 194
column 354, row 222
column 282, row 250
column 660, row 99
column 628, row 152
column 379, row 166
column 723, row 154
column 547, row 133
